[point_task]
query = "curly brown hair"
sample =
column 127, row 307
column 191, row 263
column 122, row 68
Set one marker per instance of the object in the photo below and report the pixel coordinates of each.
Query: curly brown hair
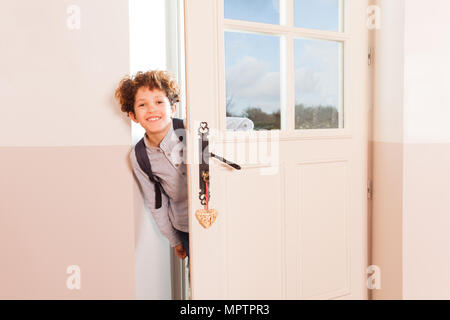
column 154, row 79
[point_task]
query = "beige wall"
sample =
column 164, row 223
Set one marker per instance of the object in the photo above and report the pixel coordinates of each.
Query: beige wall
column 411, row 150
column 67, row 192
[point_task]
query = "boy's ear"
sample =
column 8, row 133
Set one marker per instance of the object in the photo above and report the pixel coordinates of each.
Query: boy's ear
column 132, row 116
column 174, row 109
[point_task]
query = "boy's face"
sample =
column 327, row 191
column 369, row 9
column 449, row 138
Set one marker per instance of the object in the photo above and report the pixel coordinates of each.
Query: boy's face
column 152, row 110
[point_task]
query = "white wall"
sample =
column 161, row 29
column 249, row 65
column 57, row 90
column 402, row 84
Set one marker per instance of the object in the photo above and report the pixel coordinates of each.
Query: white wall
column 427, row 71
column 147, row 52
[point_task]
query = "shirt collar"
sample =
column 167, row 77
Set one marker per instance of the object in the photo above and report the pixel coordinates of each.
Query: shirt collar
column 167, row 143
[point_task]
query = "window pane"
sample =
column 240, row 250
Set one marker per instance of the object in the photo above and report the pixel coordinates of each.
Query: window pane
column 252, row 70
column 317, row 14
column 265, row 11
column 318, row 84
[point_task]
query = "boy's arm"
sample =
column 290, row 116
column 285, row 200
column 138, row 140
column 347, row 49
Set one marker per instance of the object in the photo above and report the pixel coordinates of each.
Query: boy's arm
column 160, row 215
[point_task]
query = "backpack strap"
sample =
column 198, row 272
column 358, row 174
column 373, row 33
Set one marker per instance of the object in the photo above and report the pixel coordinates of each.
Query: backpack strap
column 178, row 124
column 144, row 162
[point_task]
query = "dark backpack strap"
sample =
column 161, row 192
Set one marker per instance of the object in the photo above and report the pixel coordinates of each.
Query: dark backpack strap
column 144, row 163
column 178, row 124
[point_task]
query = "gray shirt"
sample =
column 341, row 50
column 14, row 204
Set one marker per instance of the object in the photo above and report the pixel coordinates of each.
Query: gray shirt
column 168, row 163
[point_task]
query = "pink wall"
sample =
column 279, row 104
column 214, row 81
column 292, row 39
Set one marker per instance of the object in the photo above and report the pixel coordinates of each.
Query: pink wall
column 63, row 206
column 426, row 222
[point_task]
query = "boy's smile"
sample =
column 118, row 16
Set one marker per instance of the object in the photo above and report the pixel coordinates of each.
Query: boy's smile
column 153, row 112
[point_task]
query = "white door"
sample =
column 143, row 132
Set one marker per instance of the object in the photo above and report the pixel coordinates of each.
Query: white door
column 292, row 222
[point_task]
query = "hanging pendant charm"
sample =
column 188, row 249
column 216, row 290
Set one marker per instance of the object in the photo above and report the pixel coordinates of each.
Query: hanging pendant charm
column 206, row 217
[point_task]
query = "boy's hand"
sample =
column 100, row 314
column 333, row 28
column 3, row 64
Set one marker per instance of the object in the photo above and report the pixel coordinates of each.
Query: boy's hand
column 180, row 251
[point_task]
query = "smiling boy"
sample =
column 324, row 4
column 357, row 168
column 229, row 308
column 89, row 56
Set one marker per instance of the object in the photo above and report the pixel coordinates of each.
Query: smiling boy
column 150, row 99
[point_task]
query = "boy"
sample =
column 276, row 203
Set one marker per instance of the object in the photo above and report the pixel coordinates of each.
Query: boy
column 150, row 99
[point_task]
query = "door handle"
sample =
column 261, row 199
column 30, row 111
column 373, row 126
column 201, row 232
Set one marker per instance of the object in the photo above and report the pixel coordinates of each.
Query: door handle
column 204, row 177
column 231, row 164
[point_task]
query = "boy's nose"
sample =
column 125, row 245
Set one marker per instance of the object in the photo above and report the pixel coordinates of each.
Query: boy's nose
column 151, row 107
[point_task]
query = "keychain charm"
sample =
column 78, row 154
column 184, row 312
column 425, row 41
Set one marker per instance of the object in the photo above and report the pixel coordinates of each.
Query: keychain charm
column 206, row 216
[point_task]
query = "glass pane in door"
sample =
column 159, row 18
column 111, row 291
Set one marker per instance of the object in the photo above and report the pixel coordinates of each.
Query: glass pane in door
column 318, row 84
column 252, row 71
column 265, row 11
column 318, row 14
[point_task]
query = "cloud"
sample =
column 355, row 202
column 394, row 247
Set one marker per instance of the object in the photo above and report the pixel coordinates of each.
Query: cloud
column 250, row 83
column 245, row 73
column 306, row 81
column 317, row 77
column 276, row 5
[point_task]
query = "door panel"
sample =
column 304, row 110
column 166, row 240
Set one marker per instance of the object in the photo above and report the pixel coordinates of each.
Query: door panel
column 322, row 226
column 254, row 235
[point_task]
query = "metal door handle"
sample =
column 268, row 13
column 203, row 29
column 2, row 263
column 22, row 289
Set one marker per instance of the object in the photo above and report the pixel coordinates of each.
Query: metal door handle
column 203, row 170
column 231, row 164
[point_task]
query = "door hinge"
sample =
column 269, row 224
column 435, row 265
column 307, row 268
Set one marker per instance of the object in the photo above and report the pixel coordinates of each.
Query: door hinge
column 370, row 56
column 369, row 189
